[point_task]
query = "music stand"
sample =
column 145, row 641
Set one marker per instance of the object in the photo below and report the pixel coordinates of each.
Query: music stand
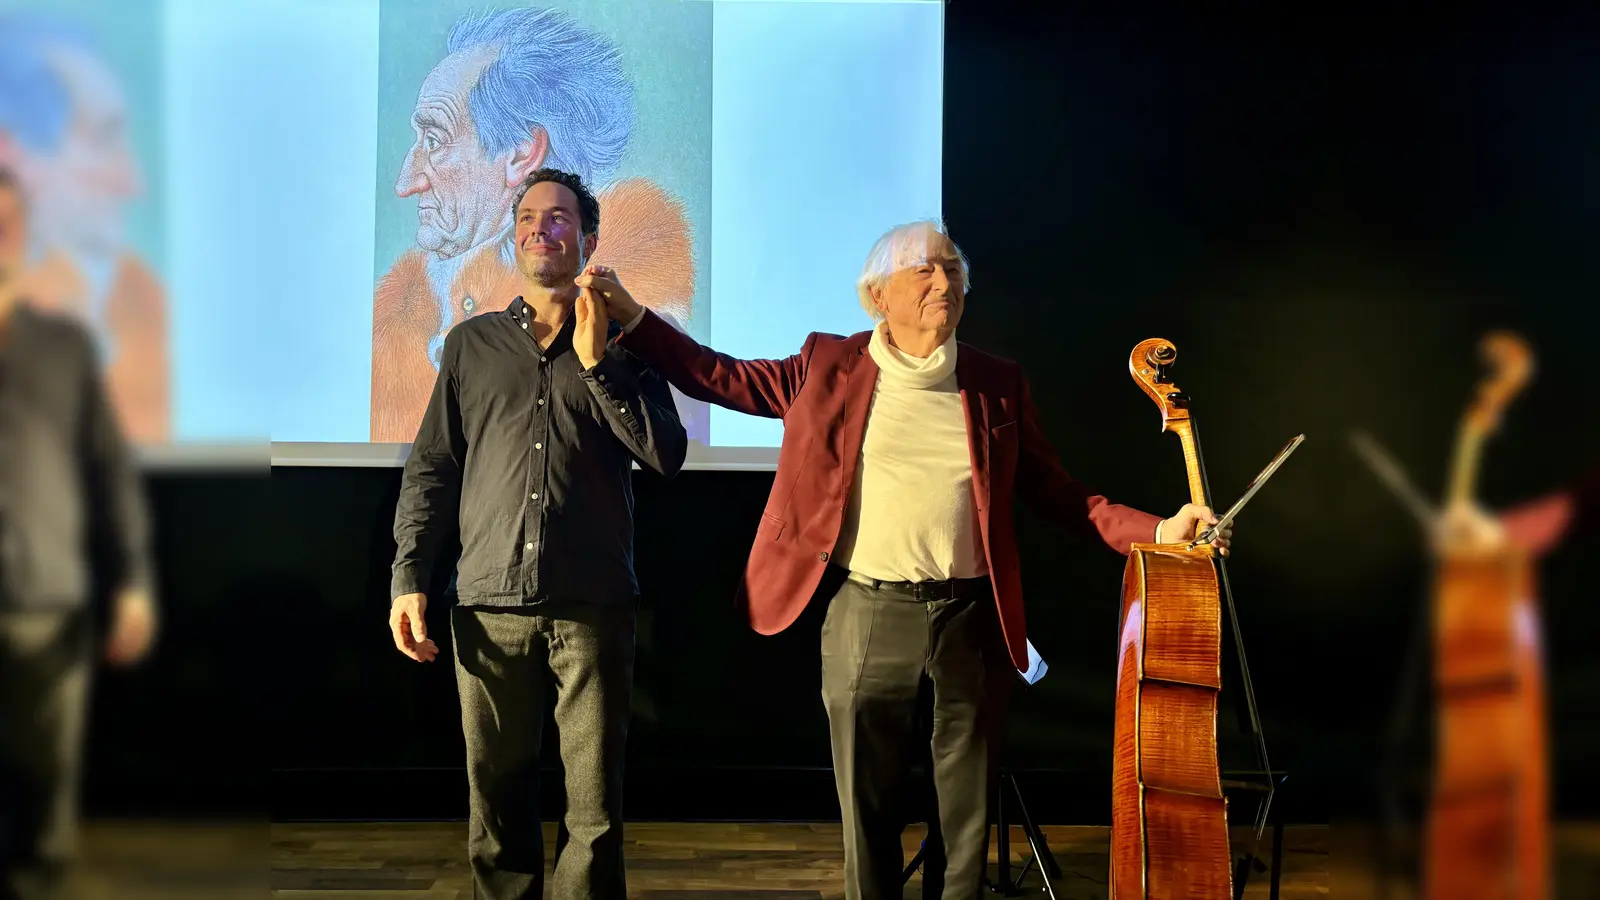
column 1266, row 783
column 1002, row 884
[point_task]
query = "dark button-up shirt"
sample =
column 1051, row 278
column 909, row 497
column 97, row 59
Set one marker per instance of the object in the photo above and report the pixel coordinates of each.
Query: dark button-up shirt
column 531, row 456
column 72, row 510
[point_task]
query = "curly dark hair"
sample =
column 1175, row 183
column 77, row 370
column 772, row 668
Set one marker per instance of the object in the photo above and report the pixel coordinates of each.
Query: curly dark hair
column 588, row 206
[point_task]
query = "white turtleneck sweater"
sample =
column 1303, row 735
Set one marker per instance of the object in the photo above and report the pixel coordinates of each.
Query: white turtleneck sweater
column 911, row 515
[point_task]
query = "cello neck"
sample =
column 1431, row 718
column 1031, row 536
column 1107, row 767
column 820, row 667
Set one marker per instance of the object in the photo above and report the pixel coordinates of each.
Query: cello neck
column 1511, row 365
column 1194, row 467
column 1149, row 363
column 1464, row 466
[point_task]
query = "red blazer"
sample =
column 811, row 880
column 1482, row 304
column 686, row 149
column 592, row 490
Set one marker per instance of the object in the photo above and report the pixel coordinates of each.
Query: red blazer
column 823, row 394
column 1541, row 525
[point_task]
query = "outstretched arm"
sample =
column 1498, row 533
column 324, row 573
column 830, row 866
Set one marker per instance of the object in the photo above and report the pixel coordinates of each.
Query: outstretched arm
column 756, row 387
column 639, row 408
column 1071, row 504
column 1541, row 524
column 1064, row 499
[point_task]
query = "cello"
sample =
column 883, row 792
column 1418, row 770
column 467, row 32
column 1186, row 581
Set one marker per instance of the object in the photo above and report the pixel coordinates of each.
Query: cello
column 1487, row 829
column 1169, row 827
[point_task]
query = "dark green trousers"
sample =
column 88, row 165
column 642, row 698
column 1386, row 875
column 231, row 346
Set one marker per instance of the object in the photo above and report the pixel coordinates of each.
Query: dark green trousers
column 506, row 659
column 888, row 661
column 44, row 690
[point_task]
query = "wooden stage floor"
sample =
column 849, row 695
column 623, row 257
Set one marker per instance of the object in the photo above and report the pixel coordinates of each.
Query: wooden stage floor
column 712, row 861
column 716, row 861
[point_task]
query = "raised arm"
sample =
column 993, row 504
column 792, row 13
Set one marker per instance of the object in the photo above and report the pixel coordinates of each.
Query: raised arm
column 639, row 408
column 756, row 387
column 1066, row 501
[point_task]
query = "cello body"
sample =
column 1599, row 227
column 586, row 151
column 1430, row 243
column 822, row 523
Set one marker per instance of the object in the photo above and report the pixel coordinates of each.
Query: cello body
column 1169, row 832
column 1169, row 826
column 1488, row 826
column 1487, row 834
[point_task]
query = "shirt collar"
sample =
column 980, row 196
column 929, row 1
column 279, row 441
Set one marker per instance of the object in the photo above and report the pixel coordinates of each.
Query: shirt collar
column 521, row 313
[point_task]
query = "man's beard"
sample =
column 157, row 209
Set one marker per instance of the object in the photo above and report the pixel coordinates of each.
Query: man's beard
column 547, row 271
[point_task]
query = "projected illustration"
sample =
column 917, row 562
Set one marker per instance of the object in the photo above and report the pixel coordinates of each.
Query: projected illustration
column 470, row 104
column 69, row 113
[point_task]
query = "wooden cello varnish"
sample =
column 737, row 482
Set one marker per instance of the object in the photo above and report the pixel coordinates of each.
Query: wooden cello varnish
column 1169, row 828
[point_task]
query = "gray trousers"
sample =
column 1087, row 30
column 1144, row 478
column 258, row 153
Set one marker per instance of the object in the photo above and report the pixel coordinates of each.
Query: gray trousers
column 883, row 654
column 505, row 662
column 44, row 690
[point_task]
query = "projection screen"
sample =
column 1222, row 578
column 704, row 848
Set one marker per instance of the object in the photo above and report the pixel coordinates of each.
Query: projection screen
column 292, row 201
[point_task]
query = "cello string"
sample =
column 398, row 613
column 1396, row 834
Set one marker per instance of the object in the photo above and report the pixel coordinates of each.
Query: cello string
column 1246, row 683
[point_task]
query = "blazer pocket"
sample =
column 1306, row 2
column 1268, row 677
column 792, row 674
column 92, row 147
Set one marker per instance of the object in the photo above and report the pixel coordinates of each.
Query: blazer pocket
column 769, row 529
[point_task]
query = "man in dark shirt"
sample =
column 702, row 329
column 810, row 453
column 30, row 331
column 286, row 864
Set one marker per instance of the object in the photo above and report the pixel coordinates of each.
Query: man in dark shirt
column 527, row 448
column 72, row 525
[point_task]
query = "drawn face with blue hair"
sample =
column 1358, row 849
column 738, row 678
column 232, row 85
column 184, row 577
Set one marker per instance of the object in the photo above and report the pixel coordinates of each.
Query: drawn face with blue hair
column 520, row 89
column 462, row 192
column 68, row 142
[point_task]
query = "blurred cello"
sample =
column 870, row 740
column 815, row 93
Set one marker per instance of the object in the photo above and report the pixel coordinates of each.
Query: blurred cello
column 1487, row 833
column 1487, row 823
column 1169, row 826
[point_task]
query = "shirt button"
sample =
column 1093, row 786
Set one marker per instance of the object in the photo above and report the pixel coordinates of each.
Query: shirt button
column 524, row 324
column 535, row 496
column 602, row 378
column 541, row 359
column 538, row 446
column 541, row 401
column 528, row 546
column 622, row 407
column 824, row 556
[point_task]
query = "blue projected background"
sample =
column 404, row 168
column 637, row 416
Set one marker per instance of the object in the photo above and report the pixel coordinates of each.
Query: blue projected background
column 309, row 245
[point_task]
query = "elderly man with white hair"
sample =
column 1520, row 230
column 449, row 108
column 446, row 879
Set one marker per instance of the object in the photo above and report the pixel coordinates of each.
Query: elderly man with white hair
column 903, row 453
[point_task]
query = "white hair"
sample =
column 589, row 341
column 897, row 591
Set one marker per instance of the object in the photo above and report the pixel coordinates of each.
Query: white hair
column 903, row 246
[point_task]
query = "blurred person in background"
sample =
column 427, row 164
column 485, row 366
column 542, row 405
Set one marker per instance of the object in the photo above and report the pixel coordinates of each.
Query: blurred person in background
column 65, row 135
column 72, row 526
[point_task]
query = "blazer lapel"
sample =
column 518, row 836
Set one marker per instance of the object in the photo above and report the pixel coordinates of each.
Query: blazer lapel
column 975, row 403
column 862, row 378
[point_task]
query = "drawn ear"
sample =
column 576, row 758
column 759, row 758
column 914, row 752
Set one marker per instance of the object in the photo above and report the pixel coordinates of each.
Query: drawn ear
column 527, row 157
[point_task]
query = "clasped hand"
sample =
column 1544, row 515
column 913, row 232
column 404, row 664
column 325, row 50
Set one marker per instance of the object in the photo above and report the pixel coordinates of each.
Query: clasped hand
column 601, row 298
column 1190, row 521
column 1465, row 528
